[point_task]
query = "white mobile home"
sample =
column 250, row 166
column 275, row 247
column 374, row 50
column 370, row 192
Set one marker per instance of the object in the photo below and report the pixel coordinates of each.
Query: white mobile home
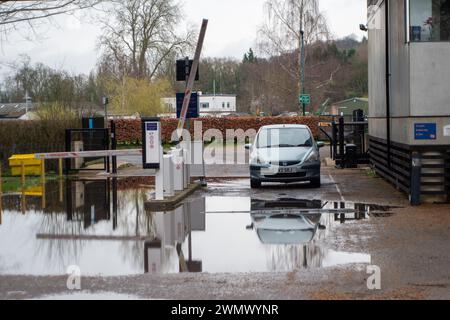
column 209, row 104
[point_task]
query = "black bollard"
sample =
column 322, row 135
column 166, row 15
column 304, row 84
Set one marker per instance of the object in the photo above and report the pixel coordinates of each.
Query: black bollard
column 416, row 174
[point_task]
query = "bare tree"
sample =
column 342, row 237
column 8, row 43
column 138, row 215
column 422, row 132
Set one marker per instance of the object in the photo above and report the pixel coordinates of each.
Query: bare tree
column 139, row 35
column 280, row 34
column 17, row 14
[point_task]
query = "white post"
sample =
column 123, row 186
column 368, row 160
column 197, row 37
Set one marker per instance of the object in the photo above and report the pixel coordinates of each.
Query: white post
column 186, row 171
column 178, row 170
column 169, row 176
column 198, row 162
column 159, row 178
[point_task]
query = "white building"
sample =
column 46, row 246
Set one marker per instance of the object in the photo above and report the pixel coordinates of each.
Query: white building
column 409, row 96
column 210, row 105
column 17, row 111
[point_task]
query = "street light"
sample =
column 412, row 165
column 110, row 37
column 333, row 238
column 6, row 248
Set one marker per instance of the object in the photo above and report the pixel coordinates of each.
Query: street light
column 27, row 101
column 105, row 102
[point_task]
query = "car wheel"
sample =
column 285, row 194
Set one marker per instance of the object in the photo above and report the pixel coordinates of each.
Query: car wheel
column 316, row 182
column 254, row 184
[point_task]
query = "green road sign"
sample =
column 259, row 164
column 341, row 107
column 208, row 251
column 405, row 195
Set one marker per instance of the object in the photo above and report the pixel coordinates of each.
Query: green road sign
column 305, row 99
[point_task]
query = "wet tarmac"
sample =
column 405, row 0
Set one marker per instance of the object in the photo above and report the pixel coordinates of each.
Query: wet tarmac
column 101, row 227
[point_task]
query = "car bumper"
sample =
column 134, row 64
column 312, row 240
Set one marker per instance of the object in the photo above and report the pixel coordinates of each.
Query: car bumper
column 302, row 173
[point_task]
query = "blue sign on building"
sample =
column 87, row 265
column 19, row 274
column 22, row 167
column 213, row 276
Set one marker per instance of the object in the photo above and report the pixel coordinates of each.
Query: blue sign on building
column 425, row 131
column 193, row 110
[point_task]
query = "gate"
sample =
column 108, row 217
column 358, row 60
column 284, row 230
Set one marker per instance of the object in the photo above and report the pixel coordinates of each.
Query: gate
column 349, row 144
column 86, row 140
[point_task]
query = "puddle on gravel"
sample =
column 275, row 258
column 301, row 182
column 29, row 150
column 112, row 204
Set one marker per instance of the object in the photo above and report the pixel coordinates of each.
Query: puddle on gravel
column 101, row 227
column 86, row 295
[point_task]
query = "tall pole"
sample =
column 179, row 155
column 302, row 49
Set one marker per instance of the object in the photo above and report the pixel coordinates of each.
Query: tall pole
column 26, row 102
column 191, row 80
column 186, row 71
column 105, row 105
column 302, row 64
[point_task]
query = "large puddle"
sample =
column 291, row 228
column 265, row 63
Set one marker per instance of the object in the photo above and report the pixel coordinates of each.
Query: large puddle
column 101, row 227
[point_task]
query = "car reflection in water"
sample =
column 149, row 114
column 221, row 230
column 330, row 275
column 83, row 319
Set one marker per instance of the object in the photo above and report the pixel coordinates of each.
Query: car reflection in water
column 281, row 222
column 293, row 232
column 231, row 235
column 283, row 227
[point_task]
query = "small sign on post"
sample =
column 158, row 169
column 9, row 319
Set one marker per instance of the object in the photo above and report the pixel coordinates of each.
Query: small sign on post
column 305, row 99
column 151, row 143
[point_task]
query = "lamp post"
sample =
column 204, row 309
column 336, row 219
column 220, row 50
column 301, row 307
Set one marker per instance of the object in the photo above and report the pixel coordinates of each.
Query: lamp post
column 302, row 69
column 105, row 101
column 27, row 101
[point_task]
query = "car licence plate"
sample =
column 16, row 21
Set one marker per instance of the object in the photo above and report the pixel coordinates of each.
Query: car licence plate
column 287, row 170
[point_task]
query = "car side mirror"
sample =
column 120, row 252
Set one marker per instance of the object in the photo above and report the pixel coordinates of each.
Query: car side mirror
column 250, row 227
column 320, row 144
column 248, row 146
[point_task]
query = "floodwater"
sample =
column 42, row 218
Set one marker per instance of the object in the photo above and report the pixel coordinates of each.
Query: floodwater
column 102, row 228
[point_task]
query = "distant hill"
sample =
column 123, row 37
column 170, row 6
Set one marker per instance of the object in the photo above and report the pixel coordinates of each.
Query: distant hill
column 349, row 42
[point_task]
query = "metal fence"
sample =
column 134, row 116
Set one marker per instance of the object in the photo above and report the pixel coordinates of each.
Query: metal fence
column 86, row 140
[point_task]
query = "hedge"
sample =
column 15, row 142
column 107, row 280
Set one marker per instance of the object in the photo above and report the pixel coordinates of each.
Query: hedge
column 26, row 137
column 129, row 131
column 22, row 137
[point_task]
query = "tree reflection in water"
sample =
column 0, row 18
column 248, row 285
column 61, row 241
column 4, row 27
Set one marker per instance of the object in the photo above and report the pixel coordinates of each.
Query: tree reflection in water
column 130, row 220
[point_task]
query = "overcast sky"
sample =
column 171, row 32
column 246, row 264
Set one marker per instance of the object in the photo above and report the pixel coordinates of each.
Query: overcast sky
column 71, row 44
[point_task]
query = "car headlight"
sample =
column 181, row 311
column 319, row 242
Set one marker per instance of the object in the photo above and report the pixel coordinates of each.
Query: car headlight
column 313, row 157
column 256, row 159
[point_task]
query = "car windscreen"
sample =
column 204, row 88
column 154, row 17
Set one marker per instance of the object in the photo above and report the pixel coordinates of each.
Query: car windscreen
column 284, row 138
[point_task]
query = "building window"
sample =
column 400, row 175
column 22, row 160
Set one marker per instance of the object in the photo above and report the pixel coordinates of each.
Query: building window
column 228, row 105
column 223, row 105
column 429, row 20
column 204, row 105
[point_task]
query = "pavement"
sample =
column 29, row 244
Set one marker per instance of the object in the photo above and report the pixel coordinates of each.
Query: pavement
column 220, row 169
column 410, row 245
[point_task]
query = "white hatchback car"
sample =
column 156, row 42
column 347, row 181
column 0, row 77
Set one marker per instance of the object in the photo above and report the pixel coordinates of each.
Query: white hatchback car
column 285, row 153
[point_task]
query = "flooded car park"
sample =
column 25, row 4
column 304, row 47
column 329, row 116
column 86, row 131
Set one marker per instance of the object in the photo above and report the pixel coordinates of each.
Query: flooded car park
column 101, row 227
column 82, row 223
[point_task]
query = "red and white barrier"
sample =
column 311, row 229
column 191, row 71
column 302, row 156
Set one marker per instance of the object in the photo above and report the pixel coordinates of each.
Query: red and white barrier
column 89, row 154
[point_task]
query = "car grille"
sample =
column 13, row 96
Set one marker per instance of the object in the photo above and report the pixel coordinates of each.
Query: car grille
column 289, row 175
column 285, row 163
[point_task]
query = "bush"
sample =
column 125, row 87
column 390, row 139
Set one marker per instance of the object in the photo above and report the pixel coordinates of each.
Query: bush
column 26, row 137
column 129, row 131
column 56, row 111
